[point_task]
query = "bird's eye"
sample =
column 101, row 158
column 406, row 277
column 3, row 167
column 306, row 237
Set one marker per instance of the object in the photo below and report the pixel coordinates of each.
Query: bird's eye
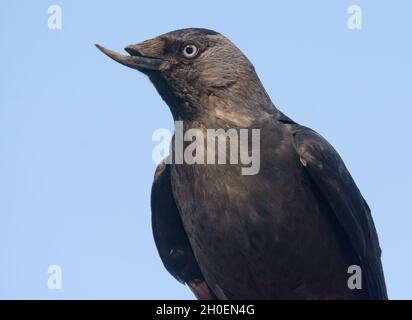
column 190, row 51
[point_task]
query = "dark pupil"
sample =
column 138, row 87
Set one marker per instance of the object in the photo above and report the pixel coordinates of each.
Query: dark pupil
column 189, row 50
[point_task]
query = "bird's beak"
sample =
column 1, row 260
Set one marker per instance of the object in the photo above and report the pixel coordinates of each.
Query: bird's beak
column 137, row 60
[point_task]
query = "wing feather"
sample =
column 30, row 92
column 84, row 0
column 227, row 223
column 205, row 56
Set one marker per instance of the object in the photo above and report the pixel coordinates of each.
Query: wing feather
column 170, row 236
column 330, row 175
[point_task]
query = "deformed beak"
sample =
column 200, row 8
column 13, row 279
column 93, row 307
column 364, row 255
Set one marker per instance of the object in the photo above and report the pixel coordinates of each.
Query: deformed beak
column 136, row 60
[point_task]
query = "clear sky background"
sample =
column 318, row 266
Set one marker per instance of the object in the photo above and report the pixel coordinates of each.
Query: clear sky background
column 76, row 127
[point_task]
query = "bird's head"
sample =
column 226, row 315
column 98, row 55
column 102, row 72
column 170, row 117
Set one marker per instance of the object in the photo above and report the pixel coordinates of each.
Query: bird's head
column 187, row 66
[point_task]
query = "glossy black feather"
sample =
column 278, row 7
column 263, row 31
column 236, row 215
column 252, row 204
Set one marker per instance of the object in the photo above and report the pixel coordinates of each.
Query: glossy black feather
column 170, row 237
column 331, row 177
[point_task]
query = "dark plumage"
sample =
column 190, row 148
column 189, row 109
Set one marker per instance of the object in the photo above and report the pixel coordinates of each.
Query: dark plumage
column 289, row 232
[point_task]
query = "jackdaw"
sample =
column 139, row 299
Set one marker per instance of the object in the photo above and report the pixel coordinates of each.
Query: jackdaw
column 297, row 229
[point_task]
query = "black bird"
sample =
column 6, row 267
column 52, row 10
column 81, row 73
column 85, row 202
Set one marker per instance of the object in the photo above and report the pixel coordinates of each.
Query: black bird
column 289, row 232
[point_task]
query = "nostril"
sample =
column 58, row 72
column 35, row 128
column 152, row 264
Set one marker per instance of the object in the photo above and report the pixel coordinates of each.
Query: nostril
column 132, row 51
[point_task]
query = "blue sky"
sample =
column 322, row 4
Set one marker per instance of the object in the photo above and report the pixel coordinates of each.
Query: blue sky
column 76, row 127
